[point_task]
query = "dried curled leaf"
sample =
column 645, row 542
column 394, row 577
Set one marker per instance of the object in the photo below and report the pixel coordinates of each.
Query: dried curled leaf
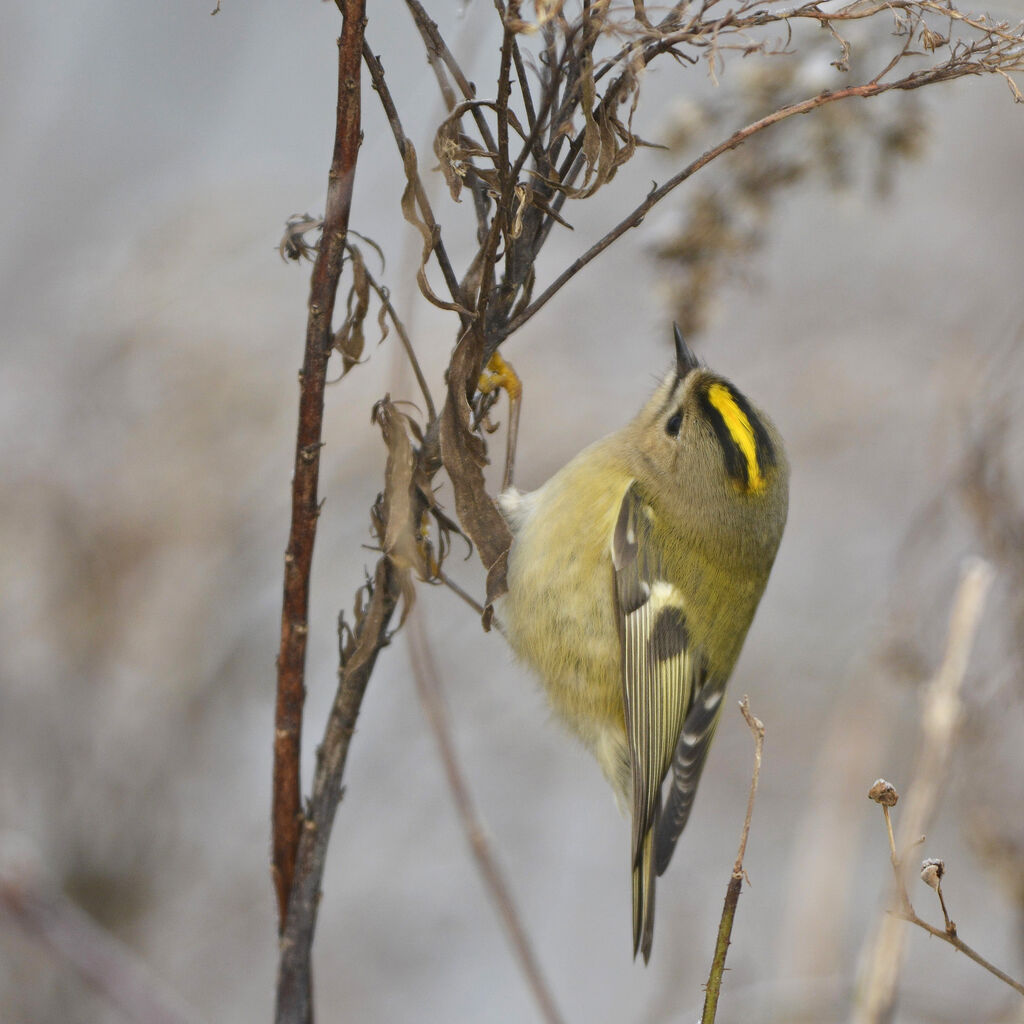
column 293, row 244
column 465, row 455
column 399, row 530
column 350, row 338
column 591, row 131
column 523, row 196
column 456, row 150
column 451, row 156
column 607, row 142
column 428, row 232
column 404, row 511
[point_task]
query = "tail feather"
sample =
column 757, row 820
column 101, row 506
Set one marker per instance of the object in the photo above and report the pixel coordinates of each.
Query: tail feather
column 644, row 876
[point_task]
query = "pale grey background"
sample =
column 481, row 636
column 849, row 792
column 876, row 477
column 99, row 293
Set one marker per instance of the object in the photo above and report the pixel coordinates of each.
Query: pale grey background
column 150, row 343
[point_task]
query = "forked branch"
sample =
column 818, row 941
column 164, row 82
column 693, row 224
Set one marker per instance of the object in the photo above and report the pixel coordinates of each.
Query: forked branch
column 428, row 688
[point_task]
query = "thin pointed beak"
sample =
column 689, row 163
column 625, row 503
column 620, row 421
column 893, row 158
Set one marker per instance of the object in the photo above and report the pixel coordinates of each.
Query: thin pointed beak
column 685, row 359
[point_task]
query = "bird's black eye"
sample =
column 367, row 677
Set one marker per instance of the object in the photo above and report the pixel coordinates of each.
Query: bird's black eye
column 674, row 424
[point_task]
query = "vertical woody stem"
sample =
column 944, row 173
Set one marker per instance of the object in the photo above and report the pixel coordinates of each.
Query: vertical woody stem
column 291, row 660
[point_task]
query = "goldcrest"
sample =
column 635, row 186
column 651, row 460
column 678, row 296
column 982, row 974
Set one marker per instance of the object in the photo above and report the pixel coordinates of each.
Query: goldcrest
column 633, row 577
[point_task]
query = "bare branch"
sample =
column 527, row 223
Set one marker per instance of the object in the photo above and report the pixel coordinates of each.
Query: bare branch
column 462, row 593
column 438, row 54
column 441, row 58
column 732, row 894
column 359, row 655
column 915, row 80
column 291, row 660
column 385, row 300
column 957, row 943
column 417, row 194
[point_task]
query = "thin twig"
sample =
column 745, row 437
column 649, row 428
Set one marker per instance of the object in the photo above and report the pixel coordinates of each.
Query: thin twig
column 376, row 70
column 504, row 88
column 291, row 661
column 957, row 943
column 428, row 688
column 732, row 894
column 940, row 717
column 950, row 925
column 460, row 592
column 440, row 58
column 524, row 89
column 894, row 857
column 75, row 940
column 385, row 300
column 632, row 220
column 437, row 49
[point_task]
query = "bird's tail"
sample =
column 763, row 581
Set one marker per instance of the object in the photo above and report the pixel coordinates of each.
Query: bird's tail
column 644, row 876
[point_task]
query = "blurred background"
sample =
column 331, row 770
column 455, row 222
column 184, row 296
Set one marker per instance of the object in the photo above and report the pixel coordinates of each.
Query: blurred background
column 151, row 339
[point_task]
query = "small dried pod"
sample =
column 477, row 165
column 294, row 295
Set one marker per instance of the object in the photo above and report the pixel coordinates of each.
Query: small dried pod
column 293, row 245
column 932, row 40
column 932, row 871
column 883, row 793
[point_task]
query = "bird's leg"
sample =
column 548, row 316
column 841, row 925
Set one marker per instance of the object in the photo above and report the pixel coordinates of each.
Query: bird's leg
column 497, row 375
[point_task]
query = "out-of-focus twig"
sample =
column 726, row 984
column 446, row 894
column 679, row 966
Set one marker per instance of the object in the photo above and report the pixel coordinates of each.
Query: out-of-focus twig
column 403, row 335
column 298, row 560
column 732, row 894
column 461, row 592
column 78, row 942
column 940, row 717
column 428, row 688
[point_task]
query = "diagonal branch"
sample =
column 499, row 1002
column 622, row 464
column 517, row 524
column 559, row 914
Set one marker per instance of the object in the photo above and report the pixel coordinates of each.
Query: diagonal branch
column 291, row 660
column 78, row 942
column 428, row 688
column 431, row 227
column 912, row 81
column 438, row 54
column 441, row 58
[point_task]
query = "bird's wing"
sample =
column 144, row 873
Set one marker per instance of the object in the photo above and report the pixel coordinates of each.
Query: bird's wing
column 691, row 751
column 660, row 670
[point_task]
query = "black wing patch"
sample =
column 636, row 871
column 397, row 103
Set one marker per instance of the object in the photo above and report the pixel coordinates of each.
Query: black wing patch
column 691, row 752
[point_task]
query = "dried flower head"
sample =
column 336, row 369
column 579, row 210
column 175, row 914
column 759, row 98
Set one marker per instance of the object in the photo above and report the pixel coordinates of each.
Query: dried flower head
column 932, row 871
column 883, row 793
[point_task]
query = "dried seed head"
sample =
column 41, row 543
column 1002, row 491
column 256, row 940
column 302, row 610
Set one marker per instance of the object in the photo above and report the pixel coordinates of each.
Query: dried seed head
column 932, row 40
column 932, row 871
column 883, row 793
column 293, row 244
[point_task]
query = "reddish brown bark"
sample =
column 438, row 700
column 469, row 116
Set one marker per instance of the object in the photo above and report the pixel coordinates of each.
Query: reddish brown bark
column 291, row 661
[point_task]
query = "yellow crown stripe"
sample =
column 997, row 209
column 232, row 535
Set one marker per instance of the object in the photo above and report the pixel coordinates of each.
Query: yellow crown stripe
column 738, row 425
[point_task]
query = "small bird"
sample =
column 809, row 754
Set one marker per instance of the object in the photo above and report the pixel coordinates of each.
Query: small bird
column 633, row 577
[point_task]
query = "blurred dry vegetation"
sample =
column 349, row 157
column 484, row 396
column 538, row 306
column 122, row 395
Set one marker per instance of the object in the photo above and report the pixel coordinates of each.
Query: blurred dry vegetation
column 148, row 404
